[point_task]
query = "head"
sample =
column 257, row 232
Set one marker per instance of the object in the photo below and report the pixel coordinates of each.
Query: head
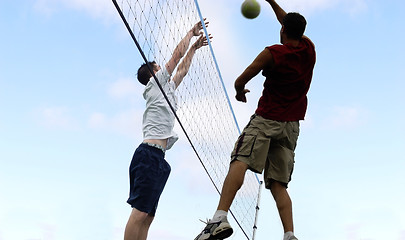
column 293, row 26
column 144, row 74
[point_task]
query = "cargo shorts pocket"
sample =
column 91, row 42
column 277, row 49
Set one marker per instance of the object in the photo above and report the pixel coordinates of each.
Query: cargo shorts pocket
column 293, row 134
column 244, row 145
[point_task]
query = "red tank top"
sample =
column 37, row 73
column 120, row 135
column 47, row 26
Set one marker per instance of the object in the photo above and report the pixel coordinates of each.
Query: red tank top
column 284, row 96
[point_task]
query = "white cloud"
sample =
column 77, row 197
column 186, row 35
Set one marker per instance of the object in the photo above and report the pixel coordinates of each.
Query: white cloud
column 164, row 234
column 188, row 167
column 356, row 6
column 310, row 6
column 307, row 6
column 345, row 117
column 308, row 122
column 56, row 117
column 128, row 123
column 125, row 88
column 103, row 9
column 97, row 120
column 44, row 7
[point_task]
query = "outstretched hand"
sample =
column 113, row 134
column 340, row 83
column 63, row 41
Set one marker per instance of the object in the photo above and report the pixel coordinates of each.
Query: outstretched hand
column 197, row 27
column 202, row 41
column 241, row 95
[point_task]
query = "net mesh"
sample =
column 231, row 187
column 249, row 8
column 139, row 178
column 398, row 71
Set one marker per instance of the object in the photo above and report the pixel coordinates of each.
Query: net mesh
column 203, row 107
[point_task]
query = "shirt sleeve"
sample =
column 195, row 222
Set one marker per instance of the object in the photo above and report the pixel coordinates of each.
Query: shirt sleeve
column 163, row 76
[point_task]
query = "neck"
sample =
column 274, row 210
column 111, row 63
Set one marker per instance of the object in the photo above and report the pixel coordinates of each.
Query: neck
column 292, row 42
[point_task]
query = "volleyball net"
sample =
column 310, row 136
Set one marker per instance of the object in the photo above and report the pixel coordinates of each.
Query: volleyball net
column 204, row 110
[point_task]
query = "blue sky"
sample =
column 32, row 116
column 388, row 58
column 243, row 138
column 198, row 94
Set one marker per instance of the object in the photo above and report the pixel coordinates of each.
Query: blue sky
column 70, row 112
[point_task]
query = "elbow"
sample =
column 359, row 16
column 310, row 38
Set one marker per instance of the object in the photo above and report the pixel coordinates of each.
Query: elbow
column 239, row 85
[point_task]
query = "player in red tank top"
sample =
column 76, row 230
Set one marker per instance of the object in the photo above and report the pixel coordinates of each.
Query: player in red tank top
column 287, row 81
column 268, row 142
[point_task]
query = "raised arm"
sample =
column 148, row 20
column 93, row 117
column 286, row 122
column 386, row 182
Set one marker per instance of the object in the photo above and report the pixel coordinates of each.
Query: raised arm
column 263, row 60
column 182, row 47
column 280, row 13
column 186, row 62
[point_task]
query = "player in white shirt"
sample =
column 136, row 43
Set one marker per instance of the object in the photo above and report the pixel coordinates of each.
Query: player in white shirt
column 149, row 170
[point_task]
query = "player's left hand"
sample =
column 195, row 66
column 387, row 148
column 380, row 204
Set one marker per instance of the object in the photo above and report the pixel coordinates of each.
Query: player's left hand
column 202, row 41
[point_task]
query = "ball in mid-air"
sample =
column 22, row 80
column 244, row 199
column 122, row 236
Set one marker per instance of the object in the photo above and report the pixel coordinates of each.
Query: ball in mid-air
column 250, row 9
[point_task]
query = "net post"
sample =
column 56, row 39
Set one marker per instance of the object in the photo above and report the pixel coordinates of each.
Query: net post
column 257, row 210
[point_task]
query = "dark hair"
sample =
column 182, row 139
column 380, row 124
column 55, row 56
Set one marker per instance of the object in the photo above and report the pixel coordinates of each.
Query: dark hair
column 294, row 25
column 144, row 73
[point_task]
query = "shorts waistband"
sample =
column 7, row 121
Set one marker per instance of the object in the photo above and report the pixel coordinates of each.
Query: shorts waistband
column 155, row 146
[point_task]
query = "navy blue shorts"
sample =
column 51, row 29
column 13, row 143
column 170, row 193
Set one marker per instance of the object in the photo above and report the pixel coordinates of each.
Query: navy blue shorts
column 148, row 174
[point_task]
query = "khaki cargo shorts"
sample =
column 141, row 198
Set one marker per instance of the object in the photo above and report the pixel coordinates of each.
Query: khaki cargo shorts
column 268, row 145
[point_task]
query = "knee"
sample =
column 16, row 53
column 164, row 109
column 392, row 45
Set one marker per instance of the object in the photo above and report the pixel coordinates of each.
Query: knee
column 148, row 221
column 237, row 170
column 277, row 186
column 139, row 217
column 239, row 165
column 278, row 189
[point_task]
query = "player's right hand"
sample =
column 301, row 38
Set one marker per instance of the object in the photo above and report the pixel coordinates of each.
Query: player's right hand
column 241, row 96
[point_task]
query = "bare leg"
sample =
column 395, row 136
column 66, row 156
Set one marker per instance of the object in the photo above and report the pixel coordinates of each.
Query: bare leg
column 138, row 225
column 284, row 205
column 232, row 184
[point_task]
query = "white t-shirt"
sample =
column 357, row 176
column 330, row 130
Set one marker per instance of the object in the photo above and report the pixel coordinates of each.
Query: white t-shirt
column 158, row 118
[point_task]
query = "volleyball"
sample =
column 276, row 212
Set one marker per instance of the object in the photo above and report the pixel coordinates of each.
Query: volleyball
column 250, row 9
